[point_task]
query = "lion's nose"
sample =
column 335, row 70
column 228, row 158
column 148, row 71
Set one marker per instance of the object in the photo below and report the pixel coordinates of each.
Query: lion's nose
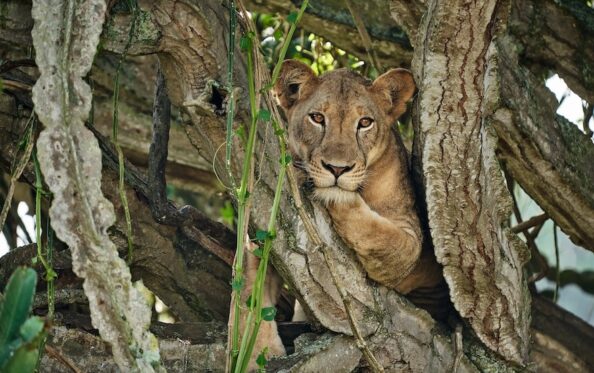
column 336, row 170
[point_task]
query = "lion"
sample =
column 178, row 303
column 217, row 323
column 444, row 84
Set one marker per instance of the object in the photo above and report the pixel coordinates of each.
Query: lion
column 342, row 136
column 344, row 143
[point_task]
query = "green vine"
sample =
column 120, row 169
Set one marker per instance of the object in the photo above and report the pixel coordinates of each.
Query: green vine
column 133, row 6
column 230, row 92
column 241, row 354
column 46, row 259
column 242, row 198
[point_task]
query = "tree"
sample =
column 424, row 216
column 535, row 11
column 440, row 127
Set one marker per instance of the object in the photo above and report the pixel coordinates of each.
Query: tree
column 481, row 107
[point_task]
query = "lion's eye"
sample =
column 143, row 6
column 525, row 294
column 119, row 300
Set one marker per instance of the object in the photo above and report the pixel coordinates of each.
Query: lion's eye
column 365, row 123
column 317, row 118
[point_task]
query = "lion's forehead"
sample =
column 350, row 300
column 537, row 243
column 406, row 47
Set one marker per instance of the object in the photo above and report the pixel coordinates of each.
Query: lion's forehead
column 332, row 102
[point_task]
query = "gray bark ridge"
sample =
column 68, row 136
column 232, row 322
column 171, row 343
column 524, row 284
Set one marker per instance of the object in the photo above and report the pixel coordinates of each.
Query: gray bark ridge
column 65, row 37
column 467, row 201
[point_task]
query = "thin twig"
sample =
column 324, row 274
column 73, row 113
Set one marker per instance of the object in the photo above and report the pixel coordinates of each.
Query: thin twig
column 558, row 270
column 530, row 237
column 365, row 38
column 588, row 112
column 18, row 171
column 532, row 222
column 53, row 352
column 458, row 347
column 115, row 124
column 9, row 65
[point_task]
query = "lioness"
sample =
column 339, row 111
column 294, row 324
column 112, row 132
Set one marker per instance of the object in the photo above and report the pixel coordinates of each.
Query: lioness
column 342, row 135
column 343, row 139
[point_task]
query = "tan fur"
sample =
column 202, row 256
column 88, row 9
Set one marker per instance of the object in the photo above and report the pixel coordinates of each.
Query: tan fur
column 372, row 205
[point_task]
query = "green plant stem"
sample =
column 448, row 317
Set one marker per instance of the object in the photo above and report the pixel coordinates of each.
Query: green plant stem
column 242, row 199
column 283, row 53
column 255, row 315
column 38, row 191
column 49, row 252
column 557, row 269
column 230, row 93
column 240, row 357
column 116, row 95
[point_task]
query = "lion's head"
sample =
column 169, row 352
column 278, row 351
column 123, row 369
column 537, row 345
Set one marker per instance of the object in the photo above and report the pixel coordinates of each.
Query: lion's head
column 340, row 124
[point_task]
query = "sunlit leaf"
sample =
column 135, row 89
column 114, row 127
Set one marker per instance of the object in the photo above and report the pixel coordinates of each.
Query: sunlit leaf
column 268, row 313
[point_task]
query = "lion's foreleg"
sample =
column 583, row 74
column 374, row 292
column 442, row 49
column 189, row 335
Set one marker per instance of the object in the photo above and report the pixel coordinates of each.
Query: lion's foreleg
column 389, row 249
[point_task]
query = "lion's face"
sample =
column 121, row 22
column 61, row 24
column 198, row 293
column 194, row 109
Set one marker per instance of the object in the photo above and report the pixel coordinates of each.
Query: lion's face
column 340, row 124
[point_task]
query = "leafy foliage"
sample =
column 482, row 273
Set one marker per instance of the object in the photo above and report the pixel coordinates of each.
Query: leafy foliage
column 20, row 335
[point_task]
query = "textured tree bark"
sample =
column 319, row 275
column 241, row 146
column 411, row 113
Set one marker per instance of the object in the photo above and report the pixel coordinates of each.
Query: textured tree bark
column 468, row 204
column 65, row 36
column 558, row 35
column 187, row 347
column 188, row 278
column 547, row 155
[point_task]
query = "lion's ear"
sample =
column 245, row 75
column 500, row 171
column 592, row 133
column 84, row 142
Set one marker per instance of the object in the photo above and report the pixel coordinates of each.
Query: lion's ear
column 398, row 86
column 294, row 75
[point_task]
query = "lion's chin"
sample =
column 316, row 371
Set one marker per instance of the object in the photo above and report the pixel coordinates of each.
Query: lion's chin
column 334, row 195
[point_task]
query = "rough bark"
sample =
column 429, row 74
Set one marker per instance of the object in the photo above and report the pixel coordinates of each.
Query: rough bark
column 200, row 347
column 547, row 155
column 557, row 34
column 553, row 35
column 468, row 204
column 182, row 272
column 65, row 37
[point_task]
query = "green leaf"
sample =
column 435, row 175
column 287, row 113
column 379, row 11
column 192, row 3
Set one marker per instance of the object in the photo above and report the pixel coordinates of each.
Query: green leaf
column 261, row 359
column 248, row 302
column 258, row 252
column 278, row 34
column 245, row 43
column 227, row 213
column 237, row 284
column 292, row 17
column 31, row 329
column 18, row 299
column 268, row 313
column 24, row 359
column 286, row 160
column 240, row 132
column 261, row 235
column 50, row 275
column 264, row 115
column 7, row 351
